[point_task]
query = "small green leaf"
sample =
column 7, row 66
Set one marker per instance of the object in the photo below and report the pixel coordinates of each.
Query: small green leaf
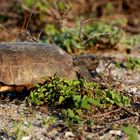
column 61, row 99
column 29, row 3
column 84, row 102
column 77, row 98
column 95, row 102
column 70, row 113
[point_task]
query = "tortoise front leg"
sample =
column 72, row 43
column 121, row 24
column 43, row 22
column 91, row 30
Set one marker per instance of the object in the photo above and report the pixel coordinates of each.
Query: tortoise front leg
column 14, row 88
column 82, row 72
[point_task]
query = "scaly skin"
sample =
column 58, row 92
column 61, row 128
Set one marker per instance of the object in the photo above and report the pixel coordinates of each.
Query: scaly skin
column 84, row 64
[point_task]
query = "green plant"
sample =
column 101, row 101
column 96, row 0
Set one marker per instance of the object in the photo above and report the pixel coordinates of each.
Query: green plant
column 67, row 39
column 19, row 130
column 101, row 33
column 131, row 132
column 109, row 5
column 76, row 97
column 29, row 3
column 131, row 63
column 107, row 34
column 49, row 121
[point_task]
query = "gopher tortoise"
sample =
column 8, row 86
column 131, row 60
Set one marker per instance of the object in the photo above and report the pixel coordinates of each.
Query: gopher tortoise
column 27, row 63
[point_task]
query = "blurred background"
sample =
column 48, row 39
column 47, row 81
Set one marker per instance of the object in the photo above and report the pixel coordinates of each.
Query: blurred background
column 72, row 24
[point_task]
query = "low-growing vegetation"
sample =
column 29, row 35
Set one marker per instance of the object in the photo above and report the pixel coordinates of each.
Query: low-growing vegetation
column 104, row 34
column 131, row 132
column 130, row 64
column 76, row 97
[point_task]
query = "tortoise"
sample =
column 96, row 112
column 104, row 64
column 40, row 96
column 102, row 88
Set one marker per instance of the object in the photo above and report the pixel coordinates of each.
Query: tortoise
column 28, row 63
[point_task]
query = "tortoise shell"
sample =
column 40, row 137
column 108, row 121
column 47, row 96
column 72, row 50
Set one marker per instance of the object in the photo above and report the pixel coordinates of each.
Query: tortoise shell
column 24, row 63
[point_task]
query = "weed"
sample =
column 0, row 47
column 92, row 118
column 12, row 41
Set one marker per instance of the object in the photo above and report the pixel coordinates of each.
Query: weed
column 98, row 33
column 29, row 3
column 20, row 130
column 49, row 121
column 133, row 63
column 130, row 64
column 131, row 132
column 76, row 97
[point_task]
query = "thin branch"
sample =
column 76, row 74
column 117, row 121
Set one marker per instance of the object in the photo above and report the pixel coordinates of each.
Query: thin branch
column 29, row 19
column 130, row 111
column 38, row 38
column 111, row 61
column 107, row 113
column 92, row 36
column 65, row 12
column 90, row 19
column 2, row 27
column 121, row 120
column 80, row 29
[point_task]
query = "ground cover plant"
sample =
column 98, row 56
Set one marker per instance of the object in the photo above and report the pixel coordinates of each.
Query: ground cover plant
column 130, row 64
column 76, row 97
column 104, row 34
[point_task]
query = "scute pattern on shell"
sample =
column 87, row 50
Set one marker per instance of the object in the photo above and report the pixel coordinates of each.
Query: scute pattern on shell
column 24, row 63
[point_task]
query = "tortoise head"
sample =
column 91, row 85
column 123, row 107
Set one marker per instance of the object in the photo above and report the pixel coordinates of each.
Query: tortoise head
column 90, row 61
